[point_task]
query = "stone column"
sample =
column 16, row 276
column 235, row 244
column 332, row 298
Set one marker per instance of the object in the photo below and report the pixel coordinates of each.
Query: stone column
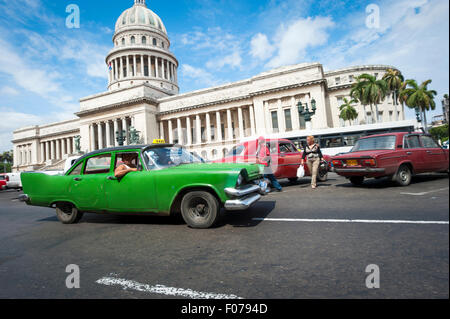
column 180, row 131
column 294, row 115
column 229, row 126
column 92, row 137
column 124, row 128
column 198, row 129
column 281, row 120
column 108, row 132
column 52, row 150
column 128, row 66
column 241, row 123
column 252, row 120
column 100, row 135
column 47, row 150
column 42, row 159
column 115, row 70
column 69, row 146
column 116, row 128
column 156, row 67
column 58, row 149
column 163, row 69
column 169, row 125
column 142, row 65
column 188, row 131
column 161, row 130
column 219, row 127
column 121, row 68
column 149, row 58
column 134, row 65
column 208, row 127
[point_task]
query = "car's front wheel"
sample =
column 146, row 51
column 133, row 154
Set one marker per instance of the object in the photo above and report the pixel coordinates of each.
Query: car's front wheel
column 404, row 176
column 200, row 209
column 67, row 213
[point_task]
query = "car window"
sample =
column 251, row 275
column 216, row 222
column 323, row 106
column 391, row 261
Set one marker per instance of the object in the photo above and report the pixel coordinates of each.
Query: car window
column 428, row 142
column 119, row 159
column 272, row 147
column 77, row 169
column 412, row 141
column 98, row 164
column 286, row 148
column 237, row 150
column 386, row 142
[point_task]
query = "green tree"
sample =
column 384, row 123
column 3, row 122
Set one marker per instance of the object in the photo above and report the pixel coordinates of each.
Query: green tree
column 369, row 91
column 394, row 81
column 420, row 97
column 440, row 132
column 347, row 111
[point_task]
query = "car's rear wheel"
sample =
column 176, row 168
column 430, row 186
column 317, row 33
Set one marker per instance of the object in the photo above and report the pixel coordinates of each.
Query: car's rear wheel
column 67, row 213
column 403, row 176
column 293, row 179
column 357, row 180
column 200, row 209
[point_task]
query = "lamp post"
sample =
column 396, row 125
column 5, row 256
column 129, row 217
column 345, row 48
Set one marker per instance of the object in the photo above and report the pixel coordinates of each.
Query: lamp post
column 5, row 161
column 418, row 115
column 120, row 137
column 306, row 112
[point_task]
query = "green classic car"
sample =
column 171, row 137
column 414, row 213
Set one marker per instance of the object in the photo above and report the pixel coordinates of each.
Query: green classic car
column 169, row 180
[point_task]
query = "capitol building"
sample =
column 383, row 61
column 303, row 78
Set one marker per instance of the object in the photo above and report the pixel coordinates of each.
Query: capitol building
column 143, row 94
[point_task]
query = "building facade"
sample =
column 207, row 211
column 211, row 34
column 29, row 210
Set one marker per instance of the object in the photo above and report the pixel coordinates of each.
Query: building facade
column 142, row 93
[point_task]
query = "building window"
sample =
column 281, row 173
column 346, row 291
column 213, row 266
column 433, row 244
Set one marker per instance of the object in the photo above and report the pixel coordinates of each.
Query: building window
column 302, row 121
column 275, row 121
column 390, row 116
column 154, row 41
column 376, row 75
column 380, row 116
column 133, row 40
column 144, row 40
column 123, row 41
column 350, row 78
column 287, row 119
column 337, row 80
column 369, row 118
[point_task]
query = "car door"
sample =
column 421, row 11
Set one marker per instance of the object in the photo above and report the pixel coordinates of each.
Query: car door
column 291, row 159
column 276, row 160
column 134, row 192
column 414, row 152
column 86, row 188
column 434, row 155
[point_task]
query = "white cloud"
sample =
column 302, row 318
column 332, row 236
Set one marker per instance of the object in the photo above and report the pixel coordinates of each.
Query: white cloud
column 199, row 75
column 293, row 40
column 233, row 60
column 260, row 47
column 7, row 90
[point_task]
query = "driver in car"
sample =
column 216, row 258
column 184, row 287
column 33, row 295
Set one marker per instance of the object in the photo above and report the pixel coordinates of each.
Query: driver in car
column 126, row 166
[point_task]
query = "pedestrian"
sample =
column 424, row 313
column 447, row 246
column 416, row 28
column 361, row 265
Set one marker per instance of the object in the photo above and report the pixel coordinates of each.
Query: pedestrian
column 313, row 156
column 264, row 158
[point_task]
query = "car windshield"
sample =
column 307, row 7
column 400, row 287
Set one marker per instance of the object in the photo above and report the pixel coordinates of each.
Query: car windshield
column 375, row 143
column 236, row 151
column 162, row 157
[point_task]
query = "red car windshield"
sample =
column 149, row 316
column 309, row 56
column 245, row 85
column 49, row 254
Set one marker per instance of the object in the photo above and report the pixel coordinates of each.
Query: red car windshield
column 386, row 142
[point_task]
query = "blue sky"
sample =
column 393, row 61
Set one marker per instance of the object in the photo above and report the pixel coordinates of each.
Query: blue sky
column 45, row 68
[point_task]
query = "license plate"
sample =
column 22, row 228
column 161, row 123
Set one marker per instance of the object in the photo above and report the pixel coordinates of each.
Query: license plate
column 352, row 162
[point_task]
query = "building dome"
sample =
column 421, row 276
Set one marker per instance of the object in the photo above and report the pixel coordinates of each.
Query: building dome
column 140, row 16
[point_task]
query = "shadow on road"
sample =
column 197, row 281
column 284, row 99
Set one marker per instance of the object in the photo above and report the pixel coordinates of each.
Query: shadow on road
column 387, row 182
column 245, row 218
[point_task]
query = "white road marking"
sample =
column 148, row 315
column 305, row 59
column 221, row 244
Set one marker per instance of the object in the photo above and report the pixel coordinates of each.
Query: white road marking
column 424, row 193
column 381, row 221
column 161, row 289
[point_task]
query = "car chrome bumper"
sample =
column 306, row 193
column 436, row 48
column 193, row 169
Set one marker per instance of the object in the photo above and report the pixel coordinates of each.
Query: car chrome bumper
column 359, row 170
column 242, row 203
column 24, row 198
column 242, row 191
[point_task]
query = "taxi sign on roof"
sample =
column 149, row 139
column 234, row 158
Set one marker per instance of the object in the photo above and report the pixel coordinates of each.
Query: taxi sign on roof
column 159, row 141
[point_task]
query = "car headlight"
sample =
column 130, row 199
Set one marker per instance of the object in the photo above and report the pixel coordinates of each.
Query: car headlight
column 239, row 180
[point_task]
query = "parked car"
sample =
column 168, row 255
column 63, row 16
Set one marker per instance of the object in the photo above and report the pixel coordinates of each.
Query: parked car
column 396, row 155
column 169, row 180
column 13, row 181
column 285, row 158
column 3, row 181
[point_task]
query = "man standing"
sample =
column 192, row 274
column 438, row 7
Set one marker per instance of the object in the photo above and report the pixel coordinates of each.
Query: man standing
column 264, row 158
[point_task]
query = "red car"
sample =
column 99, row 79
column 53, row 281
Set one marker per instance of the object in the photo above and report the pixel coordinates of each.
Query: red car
column 3, row 180
column 285, row 158
column 396, row 155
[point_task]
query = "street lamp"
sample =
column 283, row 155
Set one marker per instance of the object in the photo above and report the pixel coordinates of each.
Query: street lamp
column 5, row 161
column 306, row 112
column 120, row 137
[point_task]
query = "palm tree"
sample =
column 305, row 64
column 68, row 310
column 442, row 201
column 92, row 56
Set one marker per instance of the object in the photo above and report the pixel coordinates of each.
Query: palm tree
column 394, row 81
column 420, row 97
column 369, row 91
column 356, row 94
column 347, row 111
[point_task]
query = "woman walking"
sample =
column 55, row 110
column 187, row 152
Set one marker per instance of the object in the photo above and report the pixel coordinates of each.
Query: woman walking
column 313, row 156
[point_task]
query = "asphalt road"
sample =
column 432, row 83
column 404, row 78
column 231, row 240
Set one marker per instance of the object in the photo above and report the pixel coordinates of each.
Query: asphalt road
column 243, row 256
